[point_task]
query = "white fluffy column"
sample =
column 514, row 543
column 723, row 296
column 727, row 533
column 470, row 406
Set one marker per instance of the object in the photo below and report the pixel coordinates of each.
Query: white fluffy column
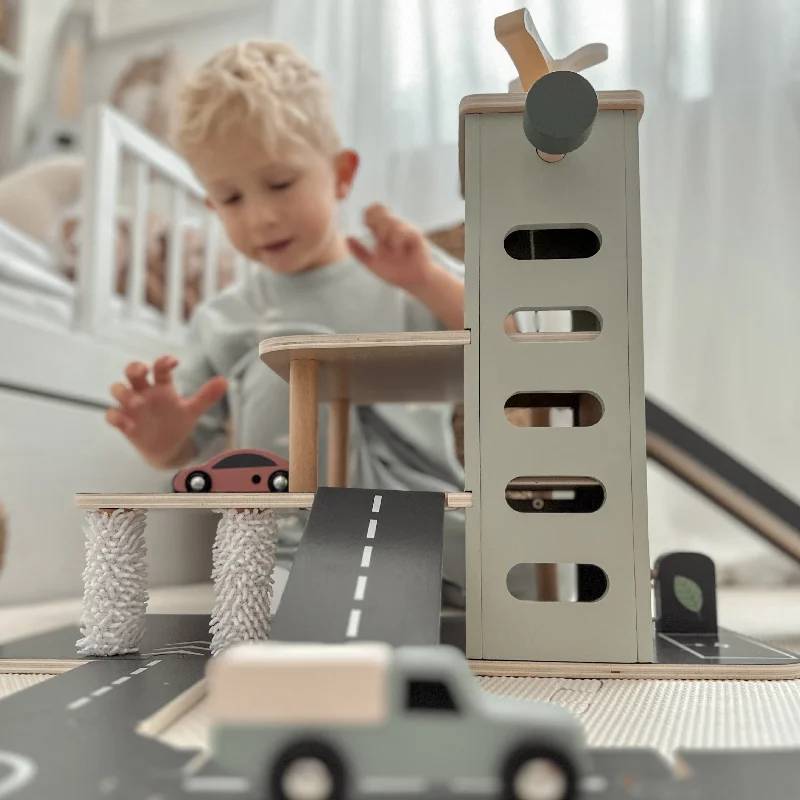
column 244, row 558
column 114, row 583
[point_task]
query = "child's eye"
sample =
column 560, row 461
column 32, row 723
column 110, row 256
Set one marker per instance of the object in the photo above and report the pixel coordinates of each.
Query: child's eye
column 280, row 186
column 231, row 199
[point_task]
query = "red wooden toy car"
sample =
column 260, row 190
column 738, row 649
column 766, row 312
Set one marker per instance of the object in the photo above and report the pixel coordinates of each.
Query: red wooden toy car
column 244, row 470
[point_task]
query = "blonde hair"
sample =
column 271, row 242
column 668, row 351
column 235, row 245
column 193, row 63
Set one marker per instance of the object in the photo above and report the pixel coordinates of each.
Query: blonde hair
column 265, row 85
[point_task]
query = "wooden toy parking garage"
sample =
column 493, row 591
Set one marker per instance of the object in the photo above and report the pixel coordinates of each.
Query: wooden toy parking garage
column 550, row 179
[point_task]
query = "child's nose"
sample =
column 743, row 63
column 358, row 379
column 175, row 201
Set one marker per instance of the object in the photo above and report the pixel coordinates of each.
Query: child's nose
column 262, row 214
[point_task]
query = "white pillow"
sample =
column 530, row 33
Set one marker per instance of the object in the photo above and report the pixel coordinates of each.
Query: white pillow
column 33, row 197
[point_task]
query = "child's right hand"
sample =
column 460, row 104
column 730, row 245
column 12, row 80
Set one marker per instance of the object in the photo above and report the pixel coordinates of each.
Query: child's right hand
column 154, row 417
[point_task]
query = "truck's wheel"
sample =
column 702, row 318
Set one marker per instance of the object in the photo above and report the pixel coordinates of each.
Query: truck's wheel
column 308, row 771
column 534, row 772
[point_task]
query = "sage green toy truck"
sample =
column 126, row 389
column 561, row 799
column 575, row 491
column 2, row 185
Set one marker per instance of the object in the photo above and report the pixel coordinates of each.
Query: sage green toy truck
column 328, row 722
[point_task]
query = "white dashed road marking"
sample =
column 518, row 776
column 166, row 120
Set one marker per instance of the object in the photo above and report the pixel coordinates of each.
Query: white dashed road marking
column 23, row 771
column 353, row 623
column 594, row 783
column 361, row 583
column 214, row 783
column 82, row 701
column 365, row 559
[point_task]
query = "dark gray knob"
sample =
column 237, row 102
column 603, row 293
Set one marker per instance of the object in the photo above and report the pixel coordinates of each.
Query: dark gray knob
column 560, row 110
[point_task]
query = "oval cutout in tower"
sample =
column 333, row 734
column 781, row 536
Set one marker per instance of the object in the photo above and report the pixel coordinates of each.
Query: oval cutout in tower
column 557, row 583
column 552, row 325
column 553, row 409
column 555, row 495
column 530, row 243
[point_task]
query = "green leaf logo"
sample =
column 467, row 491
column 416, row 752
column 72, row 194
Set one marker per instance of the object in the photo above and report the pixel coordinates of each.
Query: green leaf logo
column 688, row 593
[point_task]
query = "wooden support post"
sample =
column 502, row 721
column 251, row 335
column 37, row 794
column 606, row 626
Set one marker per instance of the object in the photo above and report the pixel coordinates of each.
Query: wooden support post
column 338, row 437
column 547, row 582
column 546, row 574
column 303, row 425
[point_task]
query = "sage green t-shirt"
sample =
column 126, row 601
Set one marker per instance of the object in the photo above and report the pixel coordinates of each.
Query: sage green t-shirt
column 392, row 446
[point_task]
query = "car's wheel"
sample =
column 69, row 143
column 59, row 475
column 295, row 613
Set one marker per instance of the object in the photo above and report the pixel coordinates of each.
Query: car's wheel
column 198, row 481
column 279, row 481
column 308, row 771
column 539, row 772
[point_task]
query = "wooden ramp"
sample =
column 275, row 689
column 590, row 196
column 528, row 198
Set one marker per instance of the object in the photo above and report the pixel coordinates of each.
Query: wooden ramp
column 724, row 480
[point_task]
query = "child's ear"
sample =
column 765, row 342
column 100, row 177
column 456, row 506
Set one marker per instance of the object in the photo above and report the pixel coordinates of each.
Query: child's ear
column 346, row 167
column 208, row 203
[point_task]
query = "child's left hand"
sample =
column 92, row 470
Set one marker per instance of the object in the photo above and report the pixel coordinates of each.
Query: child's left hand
column 400, row 255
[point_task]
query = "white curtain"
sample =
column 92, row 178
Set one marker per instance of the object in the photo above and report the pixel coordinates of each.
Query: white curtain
column 720, row 176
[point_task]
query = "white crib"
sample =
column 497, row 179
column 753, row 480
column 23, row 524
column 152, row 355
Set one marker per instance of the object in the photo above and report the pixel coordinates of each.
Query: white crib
column 128, row 174
column 64, row 342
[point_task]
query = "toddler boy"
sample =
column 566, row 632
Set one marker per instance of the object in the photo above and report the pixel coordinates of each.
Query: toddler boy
column 255, row 124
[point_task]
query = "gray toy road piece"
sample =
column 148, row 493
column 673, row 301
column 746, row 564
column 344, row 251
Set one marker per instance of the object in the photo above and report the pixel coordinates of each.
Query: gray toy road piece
column 638, row 774
column 369, row 567
column 727, row 775
column 175, row 634
column 722, row 647
column 73, row 736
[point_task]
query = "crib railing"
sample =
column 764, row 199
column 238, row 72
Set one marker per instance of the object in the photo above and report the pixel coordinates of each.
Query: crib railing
column 132, row 176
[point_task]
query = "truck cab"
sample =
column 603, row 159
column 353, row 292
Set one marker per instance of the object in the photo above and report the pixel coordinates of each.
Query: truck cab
column 318, row 722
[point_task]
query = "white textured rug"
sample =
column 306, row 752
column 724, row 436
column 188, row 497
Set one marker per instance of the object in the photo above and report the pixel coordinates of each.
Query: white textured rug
column 10, row 683
column 668, row 715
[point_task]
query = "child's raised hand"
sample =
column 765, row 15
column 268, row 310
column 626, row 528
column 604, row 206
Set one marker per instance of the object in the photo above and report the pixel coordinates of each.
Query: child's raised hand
column 154, row 417
column 400, row 255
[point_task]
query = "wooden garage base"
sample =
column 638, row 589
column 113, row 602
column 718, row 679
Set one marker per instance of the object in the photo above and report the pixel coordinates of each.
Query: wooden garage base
column 169, row 714
column 291, row 500
column 532, row 669
column 722, row 655
column 38, row 666
column 671, row 672
column 521, row 669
